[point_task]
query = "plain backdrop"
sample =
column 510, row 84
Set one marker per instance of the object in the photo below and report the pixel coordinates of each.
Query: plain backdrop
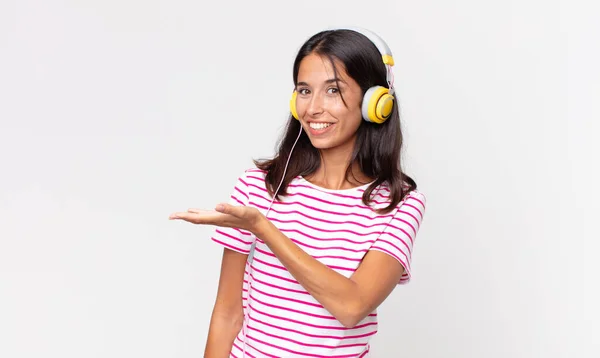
column 116, row 113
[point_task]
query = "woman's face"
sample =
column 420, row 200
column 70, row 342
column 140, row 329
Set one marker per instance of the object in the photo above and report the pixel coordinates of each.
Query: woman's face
column 322, row 113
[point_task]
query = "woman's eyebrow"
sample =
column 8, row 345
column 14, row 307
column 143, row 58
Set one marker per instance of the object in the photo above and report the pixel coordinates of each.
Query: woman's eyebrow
column 331, row 80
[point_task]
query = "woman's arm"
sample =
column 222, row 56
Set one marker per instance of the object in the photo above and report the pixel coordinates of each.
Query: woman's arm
column 349, row 300
column 227, row 316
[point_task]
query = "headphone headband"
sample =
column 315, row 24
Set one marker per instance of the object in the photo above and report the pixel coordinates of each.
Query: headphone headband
column 384, row 50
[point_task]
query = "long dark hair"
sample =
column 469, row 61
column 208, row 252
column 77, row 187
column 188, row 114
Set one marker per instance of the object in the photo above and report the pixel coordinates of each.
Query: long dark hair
column 377, row 149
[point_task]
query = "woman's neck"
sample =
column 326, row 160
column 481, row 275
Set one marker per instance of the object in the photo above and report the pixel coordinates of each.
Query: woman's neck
column 332, row 171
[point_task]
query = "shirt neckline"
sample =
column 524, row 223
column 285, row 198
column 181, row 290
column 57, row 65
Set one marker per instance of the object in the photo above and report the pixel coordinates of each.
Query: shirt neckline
column 349, row 190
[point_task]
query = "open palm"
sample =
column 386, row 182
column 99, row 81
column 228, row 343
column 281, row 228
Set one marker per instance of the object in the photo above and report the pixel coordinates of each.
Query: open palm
column 224, row 215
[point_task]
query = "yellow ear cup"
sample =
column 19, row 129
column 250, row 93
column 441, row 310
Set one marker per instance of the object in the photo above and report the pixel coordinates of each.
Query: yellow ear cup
column 377, row 104
column 384, row 107
column 293, row 105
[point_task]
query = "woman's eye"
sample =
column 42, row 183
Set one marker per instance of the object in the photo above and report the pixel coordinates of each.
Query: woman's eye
column 303, row 91
column 333, row 90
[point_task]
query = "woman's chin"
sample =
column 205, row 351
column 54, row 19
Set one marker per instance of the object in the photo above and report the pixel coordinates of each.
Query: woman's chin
column 322, row 144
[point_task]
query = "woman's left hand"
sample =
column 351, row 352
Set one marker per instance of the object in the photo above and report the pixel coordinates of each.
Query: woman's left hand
column 225, row 215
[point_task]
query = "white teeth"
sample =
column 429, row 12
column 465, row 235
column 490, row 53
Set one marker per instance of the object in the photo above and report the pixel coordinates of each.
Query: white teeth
column 319, row 125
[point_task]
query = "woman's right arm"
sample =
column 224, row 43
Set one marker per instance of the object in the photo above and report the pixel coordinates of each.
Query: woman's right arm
column 227, row 316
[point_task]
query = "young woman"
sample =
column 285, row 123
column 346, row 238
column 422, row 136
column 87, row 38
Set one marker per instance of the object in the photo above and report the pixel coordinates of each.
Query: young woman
column 330, row 221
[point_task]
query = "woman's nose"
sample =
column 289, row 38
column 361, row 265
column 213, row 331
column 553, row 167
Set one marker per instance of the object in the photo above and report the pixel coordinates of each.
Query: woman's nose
column 315, row 105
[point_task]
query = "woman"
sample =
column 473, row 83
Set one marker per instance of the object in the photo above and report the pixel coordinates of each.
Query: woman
column 330, row 220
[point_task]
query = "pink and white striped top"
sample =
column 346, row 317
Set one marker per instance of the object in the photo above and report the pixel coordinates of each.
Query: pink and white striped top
column 281, row 318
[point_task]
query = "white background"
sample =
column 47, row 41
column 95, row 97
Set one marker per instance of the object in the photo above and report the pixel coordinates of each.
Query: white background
column 116, row 113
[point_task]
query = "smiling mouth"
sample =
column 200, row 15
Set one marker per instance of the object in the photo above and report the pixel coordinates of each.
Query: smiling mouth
column 319, row 126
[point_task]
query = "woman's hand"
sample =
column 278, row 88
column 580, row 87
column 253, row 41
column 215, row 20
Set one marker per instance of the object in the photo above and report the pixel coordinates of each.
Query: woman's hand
column 225, row 215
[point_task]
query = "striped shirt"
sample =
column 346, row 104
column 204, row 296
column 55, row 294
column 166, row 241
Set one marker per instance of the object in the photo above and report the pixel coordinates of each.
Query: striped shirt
column 335, row 227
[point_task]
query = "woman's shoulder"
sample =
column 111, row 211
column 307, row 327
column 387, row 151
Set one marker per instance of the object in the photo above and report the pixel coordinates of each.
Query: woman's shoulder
column 414, row 200
column 251, row 171
column 254, row 172
column 416, row 195
column 251, row 176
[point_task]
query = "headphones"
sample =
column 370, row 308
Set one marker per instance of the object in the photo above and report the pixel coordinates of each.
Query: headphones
column 378, row 101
